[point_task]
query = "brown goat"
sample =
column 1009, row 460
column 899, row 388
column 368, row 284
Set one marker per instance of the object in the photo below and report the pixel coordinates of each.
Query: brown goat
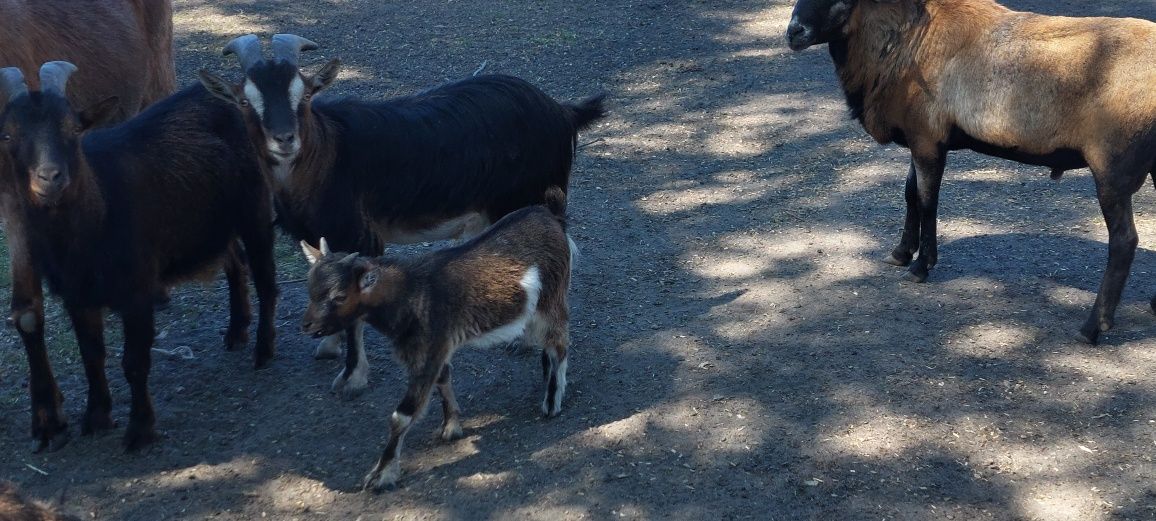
column 124, row 49
column 15, row 507
column 509, row 281
column 942, row 75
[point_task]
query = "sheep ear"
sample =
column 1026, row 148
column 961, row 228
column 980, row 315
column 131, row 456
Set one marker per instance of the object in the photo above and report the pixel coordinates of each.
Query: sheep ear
column 218, row 87
column 325, row 76
column 99, row 113
column 313, row 255
column 368, row 280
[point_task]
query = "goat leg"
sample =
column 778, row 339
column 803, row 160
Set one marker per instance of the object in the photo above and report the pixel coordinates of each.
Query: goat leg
column 554, row 364
column 451, row 425
column 49, row 425
column 139, row 330
column 88, row 322
column 929, row 175
column 909, row 241
column 259, row 249
column 240, row 313
column 421, row 382
column 1122, row 241
column 354, row 377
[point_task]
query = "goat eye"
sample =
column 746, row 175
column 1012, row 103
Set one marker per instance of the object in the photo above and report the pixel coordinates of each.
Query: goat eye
column 5, row 137
column 339, row 299
column 244, row 102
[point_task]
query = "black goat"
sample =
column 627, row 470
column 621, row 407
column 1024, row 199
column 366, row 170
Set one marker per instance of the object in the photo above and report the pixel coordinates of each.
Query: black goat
column 114, row 214
column 441, row 164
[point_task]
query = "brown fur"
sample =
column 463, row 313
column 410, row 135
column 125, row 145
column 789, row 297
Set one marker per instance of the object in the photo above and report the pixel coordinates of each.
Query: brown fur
column 940, row 75
column 15, row 507
column 432, row 305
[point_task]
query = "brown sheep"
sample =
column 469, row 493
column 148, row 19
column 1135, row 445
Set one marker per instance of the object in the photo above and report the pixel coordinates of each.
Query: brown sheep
column 942, row 75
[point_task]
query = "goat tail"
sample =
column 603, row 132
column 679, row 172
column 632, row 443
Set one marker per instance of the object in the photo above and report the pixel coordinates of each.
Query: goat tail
column 556, row 203
column 587, row 111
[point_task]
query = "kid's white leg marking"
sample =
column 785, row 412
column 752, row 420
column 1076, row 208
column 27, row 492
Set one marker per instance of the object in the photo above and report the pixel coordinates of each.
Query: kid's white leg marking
column 561, row 390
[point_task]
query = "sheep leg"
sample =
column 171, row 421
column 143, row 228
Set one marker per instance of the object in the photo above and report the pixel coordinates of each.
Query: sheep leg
column 354, row 377
column 1122, row 241
column 139, row 330
column 88, row 322
column 259, row 249
column 909, row 241
column 421, row 382
column 928, row 175
column 49, row 424
column 240, row 314
column 451, row 425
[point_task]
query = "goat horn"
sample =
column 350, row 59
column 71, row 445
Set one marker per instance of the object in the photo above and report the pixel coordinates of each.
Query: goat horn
column 288, row 47
column 54, row 76
column 12, row 82
column 247, row 48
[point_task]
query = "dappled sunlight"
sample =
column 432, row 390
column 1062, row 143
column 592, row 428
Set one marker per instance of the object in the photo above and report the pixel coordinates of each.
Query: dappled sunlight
column 292, row 493
column 876, row 433
column 990, row 339
column 240, row 467
column 219, row 21
column 1063, row 500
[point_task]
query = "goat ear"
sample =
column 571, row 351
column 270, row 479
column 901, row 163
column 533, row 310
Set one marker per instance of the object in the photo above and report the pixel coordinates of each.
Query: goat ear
column 367, row 280
column 99, row 113
column 325, row 76
column 313, row 255
column 218, row 87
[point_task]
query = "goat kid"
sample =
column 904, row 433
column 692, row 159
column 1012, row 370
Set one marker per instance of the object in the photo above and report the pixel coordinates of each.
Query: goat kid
column 507, row 282
column 441, row 164
column 15, row 507
column 115, row 214
column 942, row 75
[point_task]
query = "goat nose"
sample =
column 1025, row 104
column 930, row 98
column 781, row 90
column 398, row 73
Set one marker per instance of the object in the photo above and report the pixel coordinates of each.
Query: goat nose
column 48, row 173
column 285, row 139
column 796, row 33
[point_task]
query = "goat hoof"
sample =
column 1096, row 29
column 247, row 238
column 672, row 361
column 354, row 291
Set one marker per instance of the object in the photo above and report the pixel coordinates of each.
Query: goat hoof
column 917, row 277
column 236, row 342
column 262, row 361
column 328, row 349
column 138, row 437
column 1088, row 336
column 350, row 387
column 382, row 479
column 894, row 260
column 451, row 431
column 96, row 422
column 53, row 443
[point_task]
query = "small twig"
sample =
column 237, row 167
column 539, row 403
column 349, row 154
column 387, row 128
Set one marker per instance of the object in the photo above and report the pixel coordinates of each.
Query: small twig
column 588, row 143
column 29, row 465
column 480, row 68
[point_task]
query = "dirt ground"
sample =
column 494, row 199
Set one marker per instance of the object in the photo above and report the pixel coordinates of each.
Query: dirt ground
column 740, row 352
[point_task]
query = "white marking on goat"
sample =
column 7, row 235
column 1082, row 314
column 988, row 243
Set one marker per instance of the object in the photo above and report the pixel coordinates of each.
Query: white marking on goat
column 400, row 421
column 281, row 170
column 561, row 389
column 531, row 284
column 460, row 227
column 256, row 100
column 296, row 92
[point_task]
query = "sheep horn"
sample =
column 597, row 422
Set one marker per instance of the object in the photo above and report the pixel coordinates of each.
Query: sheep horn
column 12, row 82
column 247, row 48
column 54, row 76
column 288, row 47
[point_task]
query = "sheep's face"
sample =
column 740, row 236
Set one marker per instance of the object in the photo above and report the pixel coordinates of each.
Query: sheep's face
column 818, row 21
column 337, row 282
column 40, row 140
column 274, row 98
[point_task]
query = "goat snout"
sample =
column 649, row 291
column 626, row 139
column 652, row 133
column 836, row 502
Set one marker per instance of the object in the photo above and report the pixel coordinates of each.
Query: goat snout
column 798, row 36
column 48, row 182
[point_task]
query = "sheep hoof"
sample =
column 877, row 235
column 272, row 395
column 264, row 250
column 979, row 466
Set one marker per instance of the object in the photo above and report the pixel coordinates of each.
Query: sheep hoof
column 893, row 260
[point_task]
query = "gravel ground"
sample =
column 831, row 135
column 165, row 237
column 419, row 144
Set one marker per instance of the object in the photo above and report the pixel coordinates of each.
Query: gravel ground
column 739, row 350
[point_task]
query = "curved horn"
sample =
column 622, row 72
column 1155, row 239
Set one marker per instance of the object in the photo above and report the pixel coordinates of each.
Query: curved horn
column 247, row 48
column 12, row 82
column 288, row 47
column 54, row 76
